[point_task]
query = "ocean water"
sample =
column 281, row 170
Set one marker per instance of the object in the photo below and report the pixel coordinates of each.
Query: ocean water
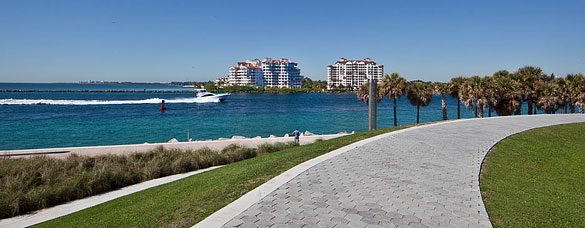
column 52, row 119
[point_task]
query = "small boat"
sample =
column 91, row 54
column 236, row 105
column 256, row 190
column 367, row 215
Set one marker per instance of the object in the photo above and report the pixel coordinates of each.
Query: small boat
column 202, row 94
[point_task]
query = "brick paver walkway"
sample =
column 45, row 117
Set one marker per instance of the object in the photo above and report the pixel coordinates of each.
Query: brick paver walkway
column 425, row 177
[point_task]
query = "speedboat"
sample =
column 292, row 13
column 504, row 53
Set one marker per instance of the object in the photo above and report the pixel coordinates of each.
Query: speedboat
column 203, row 95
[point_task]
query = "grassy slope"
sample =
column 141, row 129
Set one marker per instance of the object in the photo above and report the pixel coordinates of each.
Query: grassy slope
column 537, row 178
column 188, row 201
column 29, row 184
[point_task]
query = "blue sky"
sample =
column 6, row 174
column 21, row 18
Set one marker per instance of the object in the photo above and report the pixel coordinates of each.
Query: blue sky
column 162, row 41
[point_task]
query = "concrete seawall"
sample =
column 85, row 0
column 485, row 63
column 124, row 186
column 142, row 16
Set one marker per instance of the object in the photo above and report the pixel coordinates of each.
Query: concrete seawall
column 216, row 145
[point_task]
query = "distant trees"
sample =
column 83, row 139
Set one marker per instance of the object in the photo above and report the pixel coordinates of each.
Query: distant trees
column 210, row 87
column 502, row 92
column 308, row 83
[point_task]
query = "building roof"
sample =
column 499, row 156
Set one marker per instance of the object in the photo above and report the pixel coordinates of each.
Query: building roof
column 283, row 60
column 366, row 60
column 250, row 66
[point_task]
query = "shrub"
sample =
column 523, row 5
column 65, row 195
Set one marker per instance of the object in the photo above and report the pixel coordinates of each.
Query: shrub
column 28, row 184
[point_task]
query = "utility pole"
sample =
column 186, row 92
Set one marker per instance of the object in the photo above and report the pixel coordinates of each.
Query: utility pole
column 372, row 105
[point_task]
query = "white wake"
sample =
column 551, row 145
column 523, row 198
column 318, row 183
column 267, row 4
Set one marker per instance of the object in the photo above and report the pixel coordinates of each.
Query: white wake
column 105, row 102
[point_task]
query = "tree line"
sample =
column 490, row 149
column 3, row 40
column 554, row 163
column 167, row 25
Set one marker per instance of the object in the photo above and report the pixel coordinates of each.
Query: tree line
column 502, row 92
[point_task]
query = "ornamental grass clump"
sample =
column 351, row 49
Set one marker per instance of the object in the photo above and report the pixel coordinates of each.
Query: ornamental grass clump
column 269, row 148
column 28, row 184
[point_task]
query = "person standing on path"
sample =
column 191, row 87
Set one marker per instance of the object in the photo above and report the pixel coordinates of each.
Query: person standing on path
column 297, row 133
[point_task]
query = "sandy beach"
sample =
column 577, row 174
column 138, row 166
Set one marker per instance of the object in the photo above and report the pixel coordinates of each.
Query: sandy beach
column 215, row 145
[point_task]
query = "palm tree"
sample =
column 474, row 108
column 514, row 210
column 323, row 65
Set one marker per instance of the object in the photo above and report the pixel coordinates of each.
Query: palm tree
column 364, row 93
column 581, row 104
column 490, row 93
column 442, row 88
column 528, row 77
column 576, row 84
column 393, row 87
column 456, row 83
column 563, row 91
column 501, row 73
column 581, row 97
column 508, row 97
column 548, row 99
column 504, row 92
column 481, row 91
column 471, row 94
column 497, row 94
column 581, row 101
column 419, row 94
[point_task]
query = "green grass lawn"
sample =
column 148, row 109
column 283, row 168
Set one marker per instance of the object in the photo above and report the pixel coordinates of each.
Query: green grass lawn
column 537, row 178
column 185, row 202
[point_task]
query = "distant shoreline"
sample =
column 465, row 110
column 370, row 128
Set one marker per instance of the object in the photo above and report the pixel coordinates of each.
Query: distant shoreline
column 156, row 91
column 94, row 91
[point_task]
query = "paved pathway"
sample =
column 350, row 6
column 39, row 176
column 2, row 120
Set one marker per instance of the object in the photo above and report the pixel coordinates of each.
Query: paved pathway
column 420, row 177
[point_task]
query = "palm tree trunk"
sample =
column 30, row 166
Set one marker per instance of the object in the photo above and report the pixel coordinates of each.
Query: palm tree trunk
column 529, row 108
column 489, row 111
column 572, row 107
column 535, row 109
column 458, row 108
column 475, row 108
column 417, row 112
column 444, row 105
column 395, row 121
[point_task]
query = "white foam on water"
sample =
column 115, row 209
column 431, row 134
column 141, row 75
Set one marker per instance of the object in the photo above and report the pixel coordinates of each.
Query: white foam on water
column 105, row 102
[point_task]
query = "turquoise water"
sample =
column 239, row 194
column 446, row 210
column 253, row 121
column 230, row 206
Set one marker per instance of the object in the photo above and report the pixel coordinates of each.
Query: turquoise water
column 80, row 123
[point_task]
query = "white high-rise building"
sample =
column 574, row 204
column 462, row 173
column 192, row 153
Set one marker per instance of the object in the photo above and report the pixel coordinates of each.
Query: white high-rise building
column 353, row 73
column 268, row 73
column 248, row 73
column 281, row 74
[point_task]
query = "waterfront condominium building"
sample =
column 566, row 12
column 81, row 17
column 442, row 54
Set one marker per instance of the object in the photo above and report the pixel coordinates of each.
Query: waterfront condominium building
column 353, row 73
column 281, row 74
column 266, row 73
column 221, row 81
column 248, row 73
